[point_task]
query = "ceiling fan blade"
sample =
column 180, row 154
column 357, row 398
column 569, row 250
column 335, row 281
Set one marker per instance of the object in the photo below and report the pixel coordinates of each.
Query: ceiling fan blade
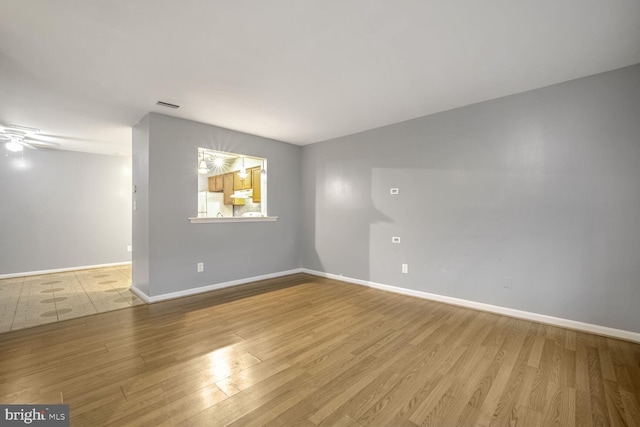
column 50, row 137
column 27, row 145
column 41, row 144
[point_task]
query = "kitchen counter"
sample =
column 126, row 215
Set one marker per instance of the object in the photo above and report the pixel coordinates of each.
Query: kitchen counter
column 233, row 219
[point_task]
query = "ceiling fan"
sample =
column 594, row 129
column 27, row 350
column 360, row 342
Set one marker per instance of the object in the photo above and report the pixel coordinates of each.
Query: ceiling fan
column 16, row 138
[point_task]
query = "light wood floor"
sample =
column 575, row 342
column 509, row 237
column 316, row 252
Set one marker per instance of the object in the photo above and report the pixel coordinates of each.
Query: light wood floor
column 302, row 350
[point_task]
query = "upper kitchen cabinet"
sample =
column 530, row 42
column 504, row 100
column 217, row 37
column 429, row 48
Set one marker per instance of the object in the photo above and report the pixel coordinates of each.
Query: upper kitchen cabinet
column 256, row 181
column 240, row 183
column 216, row 183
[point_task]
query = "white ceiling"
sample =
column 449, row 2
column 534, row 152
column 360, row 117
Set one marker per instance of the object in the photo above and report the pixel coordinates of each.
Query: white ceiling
column 301, row 71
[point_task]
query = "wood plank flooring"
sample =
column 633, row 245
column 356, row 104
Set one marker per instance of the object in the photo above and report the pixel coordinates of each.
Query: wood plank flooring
column 302, row 350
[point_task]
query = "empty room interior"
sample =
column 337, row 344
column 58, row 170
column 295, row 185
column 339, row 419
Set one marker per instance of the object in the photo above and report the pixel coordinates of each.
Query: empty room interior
column 320, row 213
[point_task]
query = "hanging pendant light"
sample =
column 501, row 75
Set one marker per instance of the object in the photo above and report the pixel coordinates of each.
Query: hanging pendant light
column 202, row 168
column 243, row 171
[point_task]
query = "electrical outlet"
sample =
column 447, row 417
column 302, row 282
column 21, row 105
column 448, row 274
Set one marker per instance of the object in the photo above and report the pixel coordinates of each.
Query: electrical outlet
column 506, row 282
column 200, row 267
column 405, row 268
column 395, row 239
column 394, row 191
column 129, row 248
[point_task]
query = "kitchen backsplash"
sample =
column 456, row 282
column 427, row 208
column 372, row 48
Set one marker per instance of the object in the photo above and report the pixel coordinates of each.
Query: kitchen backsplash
column 249, row 206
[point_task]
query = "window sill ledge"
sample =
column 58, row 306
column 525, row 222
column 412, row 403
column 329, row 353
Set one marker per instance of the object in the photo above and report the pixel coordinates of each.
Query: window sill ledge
column 233, row 219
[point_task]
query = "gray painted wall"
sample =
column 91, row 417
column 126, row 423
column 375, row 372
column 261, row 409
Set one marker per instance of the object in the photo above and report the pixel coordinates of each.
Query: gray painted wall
column 230, row 251
column 63, row 209
column 542, row 187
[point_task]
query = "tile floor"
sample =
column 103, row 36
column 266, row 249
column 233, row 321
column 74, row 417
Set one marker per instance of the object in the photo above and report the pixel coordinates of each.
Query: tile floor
column 35, row 300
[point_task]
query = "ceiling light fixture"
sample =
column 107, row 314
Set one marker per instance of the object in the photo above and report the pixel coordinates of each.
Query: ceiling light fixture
column 13, row 146
column 218, row 162
column 16, row 139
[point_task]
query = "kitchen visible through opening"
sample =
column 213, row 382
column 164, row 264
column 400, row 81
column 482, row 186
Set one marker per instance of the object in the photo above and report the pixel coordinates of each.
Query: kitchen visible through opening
column 231, row 185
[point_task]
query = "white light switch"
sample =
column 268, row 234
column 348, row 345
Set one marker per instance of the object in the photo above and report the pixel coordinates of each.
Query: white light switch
column 394, row 191
column 395, row 239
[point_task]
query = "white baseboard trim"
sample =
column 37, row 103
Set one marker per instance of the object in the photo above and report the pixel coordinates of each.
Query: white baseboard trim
column 61, row 270
column 540, row 318
column 194, row 291
column 137, row 292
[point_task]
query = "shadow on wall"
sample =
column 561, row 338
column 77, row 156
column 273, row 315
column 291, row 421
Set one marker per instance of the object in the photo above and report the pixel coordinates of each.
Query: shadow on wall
column 339, row 214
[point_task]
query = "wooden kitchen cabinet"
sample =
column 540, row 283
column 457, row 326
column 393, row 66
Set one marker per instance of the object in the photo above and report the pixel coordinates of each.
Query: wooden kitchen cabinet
column 216, row 183
column 242, row 183
column 256, row 181
column 228, row 188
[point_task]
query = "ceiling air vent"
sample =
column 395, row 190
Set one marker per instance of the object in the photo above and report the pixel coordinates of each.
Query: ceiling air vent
column 166, row 104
